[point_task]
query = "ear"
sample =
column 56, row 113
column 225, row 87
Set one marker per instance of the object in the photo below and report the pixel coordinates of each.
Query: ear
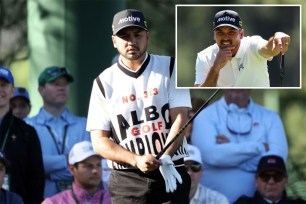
column 241, row 33
column 114, row 41
column 72, row 169
column 41, row 90
column 148, row 35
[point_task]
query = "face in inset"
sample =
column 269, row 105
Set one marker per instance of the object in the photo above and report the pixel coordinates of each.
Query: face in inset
column 271, row 184
column 20, row 107
column 226, row 36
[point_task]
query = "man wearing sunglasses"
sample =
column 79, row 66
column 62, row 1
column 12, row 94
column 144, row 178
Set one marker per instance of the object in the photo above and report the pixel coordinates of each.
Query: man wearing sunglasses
column 232, row 135
column 198, row 193
column 271, row 181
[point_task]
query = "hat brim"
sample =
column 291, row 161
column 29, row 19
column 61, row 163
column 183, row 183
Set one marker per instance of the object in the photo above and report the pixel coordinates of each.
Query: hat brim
column 237, row 28
column 115, row 33
column 272, row 169
column 67, row 76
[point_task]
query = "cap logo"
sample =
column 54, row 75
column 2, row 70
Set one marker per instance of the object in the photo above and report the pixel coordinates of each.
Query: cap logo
column 271, row 160
column 129, row 18
column 4, row 72
column 226, row 18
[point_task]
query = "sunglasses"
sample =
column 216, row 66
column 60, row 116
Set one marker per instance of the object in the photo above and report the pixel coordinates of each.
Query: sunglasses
column 193, row 167
column 277, row 177
column 244, row 123
column 58, row 71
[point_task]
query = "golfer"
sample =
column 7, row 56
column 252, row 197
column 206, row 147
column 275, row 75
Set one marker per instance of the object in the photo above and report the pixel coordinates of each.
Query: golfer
column 235, row 60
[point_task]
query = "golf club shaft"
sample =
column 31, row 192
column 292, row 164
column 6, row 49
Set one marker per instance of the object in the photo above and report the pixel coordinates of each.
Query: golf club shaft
column 184, row 127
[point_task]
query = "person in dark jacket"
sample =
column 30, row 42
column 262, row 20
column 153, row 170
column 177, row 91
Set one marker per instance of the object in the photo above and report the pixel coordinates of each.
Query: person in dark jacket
column 19, row 141
column 6, row 197
column 271, row 182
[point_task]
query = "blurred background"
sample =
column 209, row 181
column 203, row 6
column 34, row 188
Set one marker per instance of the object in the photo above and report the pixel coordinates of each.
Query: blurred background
column 35, row 34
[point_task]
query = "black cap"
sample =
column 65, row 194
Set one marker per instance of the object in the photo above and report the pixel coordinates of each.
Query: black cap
column 227, row 18
column 271, row 162
column 3, row 159
column 127, row 18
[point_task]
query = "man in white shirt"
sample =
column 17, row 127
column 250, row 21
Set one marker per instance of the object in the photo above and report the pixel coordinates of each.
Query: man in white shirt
column 235, row 60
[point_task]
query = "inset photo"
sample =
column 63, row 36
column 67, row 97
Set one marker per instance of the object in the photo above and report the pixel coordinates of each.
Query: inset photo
column 243, row 46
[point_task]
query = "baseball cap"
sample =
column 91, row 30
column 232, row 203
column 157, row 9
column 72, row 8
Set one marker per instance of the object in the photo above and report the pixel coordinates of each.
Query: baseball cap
column 194, row 154
column 271, row 162
column 227, row 18
column 54, row 72
column 6, row 74
column 4, row 159
column 21, row 92
column 128, row 18
column 81, row 151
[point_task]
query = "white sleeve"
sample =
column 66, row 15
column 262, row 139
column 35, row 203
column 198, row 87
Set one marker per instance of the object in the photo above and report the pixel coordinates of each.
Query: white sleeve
column 98, row 116
column 202, row 69
column 178, row 97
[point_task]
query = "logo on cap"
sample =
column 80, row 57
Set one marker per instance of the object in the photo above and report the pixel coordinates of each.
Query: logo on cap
column 128, row 18
column 227, row 18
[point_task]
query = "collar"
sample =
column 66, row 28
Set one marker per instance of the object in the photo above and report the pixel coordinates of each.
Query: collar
column 140, row 70
column 240, row 51
column 43, row 117
column 83, row 194
column 196, row 194
column 227, row 107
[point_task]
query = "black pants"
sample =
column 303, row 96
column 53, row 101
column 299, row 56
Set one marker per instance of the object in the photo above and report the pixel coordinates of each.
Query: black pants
column 136, row 187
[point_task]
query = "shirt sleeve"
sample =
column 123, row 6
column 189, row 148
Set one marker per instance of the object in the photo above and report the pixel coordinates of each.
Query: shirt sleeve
column 202, row 69
column 98, row 116
column 178, row 97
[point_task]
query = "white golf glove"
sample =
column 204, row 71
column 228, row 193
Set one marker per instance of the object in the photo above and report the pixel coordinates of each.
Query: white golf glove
column 169, row 173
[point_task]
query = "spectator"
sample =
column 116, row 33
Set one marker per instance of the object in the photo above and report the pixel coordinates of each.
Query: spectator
column 6, row 197
column 270, row 182
column 232, row 135
column 20, row 143
column 58, row 129
column 20, row 103
column 198, row 193
column 85, row 166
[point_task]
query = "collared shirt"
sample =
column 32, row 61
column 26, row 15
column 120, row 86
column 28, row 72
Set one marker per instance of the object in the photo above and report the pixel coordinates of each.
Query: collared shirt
column 247, row 69
column 135, row 106
column 205, row 195
column 80, row 196
column 57, row 136
column 235, row 163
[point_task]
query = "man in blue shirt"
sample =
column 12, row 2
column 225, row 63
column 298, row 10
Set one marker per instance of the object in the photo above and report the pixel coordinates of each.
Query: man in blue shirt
column 57, row 128
column 232, row 135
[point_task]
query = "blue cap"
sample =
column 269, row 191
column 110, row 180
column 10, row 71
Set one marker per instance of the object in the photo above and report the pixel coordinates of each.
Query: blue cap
column 21, row 92
column 6, row 74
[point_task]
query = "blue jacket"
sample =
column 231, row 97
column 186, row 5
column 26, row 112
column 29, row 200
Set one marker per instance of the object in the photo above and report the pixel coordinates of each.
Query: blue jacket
column 230, row 168
column 66, row 127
